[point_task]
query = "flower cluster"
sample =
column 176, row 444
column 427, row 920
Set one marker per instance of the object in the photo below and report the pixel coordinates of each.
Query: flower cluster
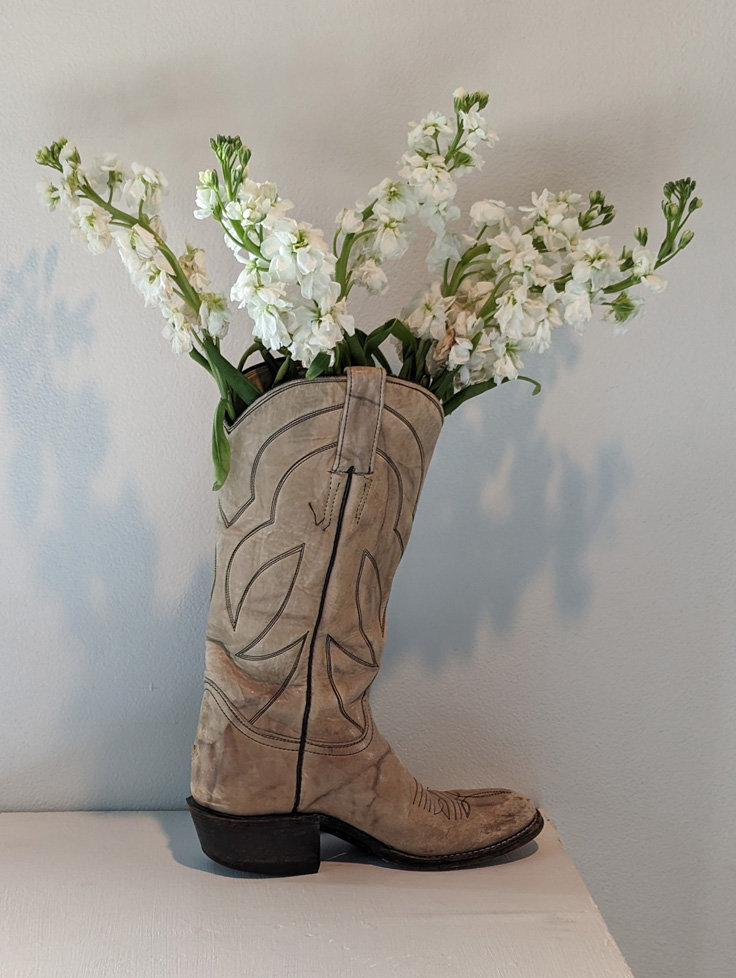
column 287, row 283
column 514, row 283
column 99, row 201
column 440, row 150
column 503, row 282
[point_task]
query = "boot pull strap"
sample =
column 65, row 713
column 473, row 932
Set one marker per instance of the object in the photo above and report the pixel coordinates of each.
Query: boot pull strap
column 361, row 420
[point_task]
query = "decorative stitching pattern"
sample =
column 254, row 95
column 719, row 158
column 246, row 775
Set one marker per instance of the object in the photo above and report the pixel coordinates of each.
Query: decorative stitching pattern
column 351, row 655
column 451, row 804
column 285, row 683
column 345, row 420
column 327, row 503
column 261, row 570
column 282, row 388
column 364, row 495
column 338, row 697
column 400, row 485
column 345, row 747
column 422, row 464
column 268, row 655
column 231, row 713
column 366, row 555
column 256, row 461
column 270, row 521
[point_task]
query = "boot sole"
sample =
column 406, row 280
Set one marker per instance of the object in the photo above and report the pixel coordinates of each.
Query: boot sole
column 288, row 845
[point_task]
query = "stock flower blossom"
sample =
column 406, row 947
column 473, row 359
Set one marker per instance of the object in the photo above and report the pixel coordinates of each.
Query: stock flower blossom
column 595, row 262
column 428, row 177
column 178, row 332
column 394, row 198
column 488, row 213
column 500, row 287
column 644, row 264
column 48, row 193
column 145, row 186
column 371, row 276
column 92, row 225
column 389, row 238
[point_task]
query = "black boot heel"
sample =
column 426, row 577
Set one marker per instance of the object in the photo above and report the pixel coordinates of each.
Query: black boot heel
column 275, row 845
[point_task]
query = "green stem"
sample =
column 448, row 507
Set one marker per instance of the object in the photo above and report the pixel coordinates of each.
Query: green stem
column 379, row 355
column 282, row 371
column 191, row 296
column 253, row 348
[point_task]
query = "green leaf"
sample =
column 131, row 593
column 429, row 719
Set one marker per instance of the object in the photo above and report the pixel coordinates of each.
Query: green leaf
column 402, row 332
column 535, row 383
column 357, row 356
column 230, row 374
column 318, row 366
column 466, row 393
column 220, row 447
column 381, row 333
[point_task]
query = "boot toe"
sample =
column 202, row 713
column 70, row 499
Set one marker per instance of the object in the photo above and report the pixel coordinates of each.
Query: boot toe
column 502, row 813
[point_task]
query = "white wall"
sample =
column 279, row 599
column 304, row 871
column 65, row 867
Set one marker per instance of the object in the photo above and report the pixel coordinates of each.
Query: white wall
column 564, row 618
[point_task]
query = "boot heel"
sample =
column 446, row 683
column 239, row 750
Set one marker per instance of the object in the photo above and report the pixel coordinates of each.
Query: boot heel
column 275, row 845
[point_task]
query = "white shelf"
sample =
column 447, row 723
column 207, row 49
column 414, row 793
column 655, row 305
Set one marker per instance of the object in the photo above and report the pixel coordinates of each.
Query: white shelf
column 130, row 895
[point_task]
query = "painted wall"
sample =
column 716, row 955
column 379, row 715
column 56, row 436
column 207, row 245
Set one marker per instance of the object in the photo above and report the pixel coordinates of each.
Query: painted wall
column 564, row 619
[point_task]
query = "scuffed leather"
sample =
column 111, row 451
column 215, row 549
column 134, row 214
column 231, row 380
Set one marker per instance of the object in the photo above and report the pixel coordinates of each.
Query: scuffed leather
column 298, row 614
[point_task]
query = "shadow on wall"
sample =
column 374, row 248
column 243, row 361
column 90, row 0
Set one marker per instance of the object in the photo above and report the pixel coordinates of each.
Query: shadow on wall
column 123, row 731
column 502, row 505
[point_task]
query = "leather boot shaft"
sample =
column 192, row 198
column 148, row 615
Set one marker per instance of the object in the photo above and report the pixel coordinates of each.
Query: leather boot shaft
column 313, row 520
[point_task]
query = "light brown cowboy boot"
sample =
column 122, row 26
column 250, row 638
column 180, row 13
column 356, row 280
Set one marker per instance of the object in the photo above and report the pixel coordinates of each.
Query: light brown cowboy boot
column 314, row 518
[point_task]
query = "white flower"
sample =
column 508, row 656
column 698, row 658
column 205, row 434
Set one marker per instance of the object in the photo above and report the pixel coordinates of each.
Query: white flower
column 299, row 254
column 207, row 200
column 255, row 201
column 394, row 198
column 92, row 224
column 507, row 366
column 137, row 247
column 178, row 331
column 576, row 299
column 389, row 241
column 445, row 246
column 431, row 135
column 655, row 282
column 214, row 314
column 644, row 264
column 595, row 262
column 69, row 159
column 108, row 171
column 371, row 276
column 192, row 263
column 459, row 352
column 249, row 280
column 429, row 316
column 559, row 236
column 429, row 178
column 275, row 218
column 436, row 214
column 154, row 283
column 349, row 221
column 319, row 331
column 476, row 130
column 48, row 193
column 515, row 249
column 270, row 310
column 484, row 212
column 146, row 186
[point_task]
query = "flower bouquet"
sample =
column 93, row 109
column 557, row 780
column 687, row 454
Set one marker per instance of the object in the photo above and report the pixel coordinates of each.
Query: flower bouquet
column 321, row 440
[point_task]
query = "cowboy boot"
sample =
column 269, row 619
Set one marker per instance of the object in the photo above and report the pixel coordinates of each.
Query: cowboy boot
column 313, row 521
